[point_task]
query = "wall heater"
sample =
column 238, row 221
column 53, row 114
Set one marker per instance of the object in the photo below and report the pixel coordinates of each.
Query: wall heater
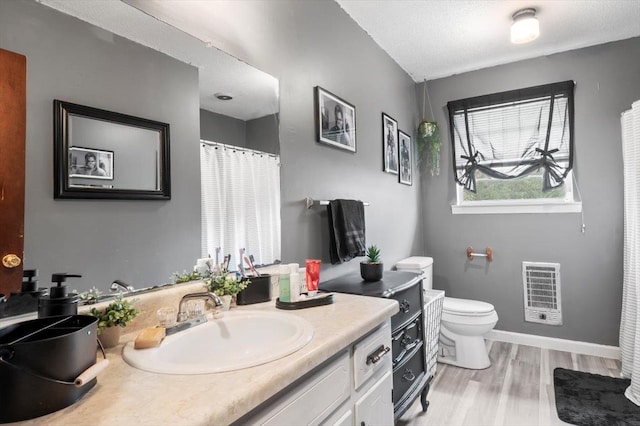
column 541, row 283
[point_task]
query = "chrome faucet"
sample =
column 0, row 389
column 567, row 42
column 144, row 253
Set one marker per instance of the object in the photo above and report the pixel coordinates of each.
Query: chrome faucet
column 183, row 315
column 117, row 284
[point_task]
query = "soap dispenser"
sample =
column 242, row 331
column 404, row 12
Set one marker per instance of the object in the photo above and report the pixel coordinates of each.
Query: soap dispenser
column 30, row 282
column 59, row 302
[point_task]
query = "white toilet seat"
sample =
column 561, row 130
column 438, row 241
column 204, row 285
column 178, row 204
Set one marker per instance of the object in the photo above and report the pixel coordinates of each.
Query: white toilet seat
column 466, row 307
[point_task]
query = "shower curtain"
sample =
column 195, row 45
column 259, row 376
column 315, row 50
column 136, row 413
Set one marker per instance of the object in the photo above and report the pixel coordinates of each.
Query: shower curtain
column 630, row 321
column 240, row 203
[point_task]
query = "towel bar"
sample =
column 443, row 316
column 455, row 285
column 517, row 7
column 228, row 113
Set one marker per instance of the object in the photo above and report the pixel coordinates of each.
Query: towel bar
column 310, row 202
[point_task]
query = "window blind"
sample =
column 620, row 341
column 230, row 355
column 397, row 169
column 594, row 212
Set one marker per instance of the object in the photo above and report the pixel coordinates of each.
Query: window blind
column 511, row 134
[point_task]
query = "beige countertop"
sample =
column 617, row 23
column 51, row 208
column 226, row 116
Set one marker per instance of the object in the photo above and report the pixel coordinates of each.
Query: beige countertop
column 125, row 395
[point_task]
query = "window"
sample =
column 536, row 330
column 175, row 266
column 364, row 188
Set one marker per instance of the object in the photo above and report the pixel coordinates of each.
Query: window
column 514, row 149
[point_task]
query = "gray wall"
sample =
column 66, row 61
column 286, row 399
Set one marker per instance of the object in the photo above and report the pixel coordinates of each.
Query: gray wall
column 222, row 129
column 144, row 242
column 140, row 242
column 262, row 134
column 315, row 43
column 607, row 83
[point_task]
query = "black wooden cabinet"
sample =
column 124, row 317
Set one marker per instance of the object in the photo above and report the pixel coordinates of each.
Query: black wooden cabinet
column 410, row 376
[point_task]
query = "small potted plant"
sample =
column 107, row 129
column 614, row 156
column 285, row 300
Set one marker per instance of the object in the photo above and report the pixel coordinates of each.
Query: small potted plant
column 112, row 319
column 371, row 268
column 226, row 286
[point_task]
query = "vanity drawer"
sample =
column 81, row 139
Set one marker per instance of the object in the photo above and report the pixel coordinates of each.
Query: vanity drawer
column 410, row 305
column 372, row 354
column 406, row 339
column 309, row 402
column 408, row 373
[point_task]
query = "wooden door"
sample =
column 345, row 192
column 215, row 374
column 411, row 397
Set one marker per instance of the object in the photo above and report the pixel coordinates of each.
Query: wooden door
column 13, row 116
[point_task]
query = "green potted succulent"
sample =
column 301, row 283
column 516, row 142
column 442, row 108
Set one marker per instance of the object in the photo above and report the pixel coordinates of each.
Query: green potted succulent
column 113, row 318
column 371, row 268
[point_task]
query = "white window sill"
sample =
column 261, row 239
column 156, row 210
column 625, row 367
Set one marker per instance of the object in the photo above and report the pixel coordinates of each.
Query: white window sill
column 512, row 208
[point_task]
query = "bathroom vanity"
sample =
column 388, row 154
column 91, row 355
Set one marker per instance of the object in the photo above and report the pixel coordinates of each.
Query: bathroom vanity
column 328, row 380
column 410, row 375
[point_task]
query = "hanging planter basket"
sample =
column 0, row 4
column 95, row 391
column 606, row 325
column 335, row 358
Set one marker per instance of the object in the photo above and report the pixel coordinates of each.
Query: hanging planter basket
column 429, row 145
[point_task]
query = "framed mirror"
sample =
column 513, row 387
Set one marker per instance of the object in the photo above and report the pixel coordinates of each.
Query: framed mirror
column 102, row 154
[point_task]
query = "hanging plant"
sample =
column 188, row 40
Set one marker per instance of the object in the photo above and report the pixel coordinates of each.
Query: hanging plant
column 428, row 139
column 429, row 145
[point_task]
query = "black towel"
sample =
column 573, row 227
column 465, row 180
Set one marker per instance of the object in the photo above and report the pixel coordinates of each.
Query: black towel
column 346, row 230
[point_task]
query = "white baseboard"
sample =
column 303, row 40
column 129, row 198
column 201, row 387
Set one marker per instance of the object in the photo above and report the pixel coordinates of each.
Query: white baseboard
column 583, row 348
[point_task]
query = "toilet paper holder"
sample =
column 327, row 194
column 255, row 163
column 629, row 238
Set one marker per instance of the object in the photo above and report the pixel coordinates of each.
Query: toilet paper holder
column 488, row 253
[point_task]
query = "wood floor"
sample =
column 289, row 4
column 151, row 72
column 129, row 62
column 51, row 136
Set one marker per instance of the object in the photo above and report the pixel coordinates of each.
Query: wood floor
column 516, row 390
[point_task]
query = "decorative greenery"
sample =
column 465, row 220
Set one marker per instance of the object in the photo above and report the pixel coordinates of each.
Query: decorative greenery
column 429, row 144
column 373, row 254
column 185, row 277
column 90, row 296
column 118, row 313
column 225, row 285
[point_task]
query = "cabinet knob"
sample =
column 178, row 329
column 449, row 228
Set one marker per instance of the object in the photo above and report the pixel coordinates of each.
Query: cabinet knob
column 405, row 306
column 11, row 261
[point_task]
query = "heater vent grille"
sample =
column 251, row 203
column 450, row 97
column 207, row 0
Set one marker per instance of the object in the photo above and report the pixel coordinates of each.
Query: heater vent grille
column 541, row 283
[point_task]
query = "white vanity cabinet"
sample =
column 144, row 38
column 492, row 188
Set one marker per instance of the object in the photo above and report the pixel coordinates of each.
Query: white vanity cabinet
column 353, row 388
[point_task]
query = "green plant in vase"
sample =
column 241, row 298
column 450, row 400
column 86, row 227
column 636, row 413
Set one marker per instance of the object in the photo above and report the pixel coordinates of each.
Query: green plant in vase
column 225, row 285
column 113, row 318
column 429, row 145
column 118, row 313
column 371, row 269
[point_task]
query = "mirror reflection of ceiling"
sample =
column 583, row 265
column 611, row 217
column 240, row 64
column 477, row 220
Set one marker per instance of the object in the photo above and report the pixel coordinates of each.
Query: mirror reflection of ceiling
column 173, row 30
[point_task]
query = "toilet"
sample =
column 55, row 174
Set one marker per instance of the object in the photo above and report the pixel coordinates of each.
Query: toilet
column 464, row 322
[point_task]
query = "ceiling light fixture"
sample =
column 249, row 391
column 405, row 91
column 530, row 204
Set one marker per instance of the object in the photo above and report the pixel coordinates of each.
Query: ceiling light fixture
column 223, row 96
column 525, row 27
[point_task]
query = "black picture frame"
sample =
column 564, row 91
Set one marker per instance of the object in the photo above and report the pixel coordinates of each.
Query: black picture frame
column 405, row 163
column 342, row 134
column 389, row 144
column 141, row 146
column 103, row 163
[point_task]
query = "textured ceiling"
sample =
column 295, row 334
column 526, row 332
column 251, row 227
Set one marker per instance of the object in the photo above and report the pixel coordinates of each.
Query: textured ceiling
column 428, row 38
column 437, row 38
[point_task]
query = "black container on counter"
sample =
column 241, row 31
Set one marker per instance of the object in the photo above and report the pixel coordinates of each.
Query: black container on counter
column 258, row 291
column 39, row 363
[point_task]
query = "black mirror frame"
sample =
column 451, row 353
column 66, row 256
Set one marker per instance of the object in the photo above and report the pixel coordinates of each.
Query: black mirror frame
column 63, row 190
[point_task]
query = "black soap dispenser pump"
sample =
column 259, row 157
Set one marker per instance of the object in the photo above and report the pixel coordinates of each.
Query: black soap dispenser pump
column 59, row 302
column 30, row 283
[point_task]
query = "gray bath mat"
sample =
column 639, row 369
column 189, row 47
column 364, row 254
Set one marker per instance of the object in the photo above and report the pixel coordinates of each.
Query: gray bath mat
column 586, row 399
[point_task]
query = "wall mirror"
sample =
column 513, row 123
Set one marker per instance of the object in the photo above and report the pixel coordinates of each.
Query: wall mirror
column 234, row 122
column 105, row 154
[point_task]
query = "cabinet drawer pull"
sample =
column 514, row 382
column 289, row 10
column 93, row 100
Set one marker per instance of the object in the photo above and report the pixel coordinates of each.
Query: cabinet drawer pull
column 408, row 343
column 377, row 354
column 405, row 306
column 408, row 375
column 398, row 336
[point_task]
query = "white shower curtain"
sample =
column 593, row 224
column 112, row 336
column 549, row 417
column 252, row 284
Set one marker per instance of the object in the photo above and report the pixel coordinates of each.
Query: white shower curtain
column 240, row 203
column 630, row 321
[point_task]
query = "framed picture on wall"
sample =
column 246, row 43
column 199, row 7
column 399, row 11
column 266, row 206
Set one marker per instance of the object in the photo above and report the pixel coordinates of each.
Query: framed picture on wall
column 89, row 163
column 406, row 160
column 389, row 144
column 335, row 120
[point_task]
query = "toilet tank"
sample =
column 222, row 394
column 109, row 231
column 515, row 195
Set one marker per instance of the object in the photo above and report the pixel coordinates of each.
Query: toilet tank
column 420, row 265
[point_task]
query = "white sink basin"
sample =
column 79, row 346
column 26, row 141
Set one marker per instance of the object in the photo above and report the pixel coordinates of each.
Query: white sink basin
column 240, row 339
